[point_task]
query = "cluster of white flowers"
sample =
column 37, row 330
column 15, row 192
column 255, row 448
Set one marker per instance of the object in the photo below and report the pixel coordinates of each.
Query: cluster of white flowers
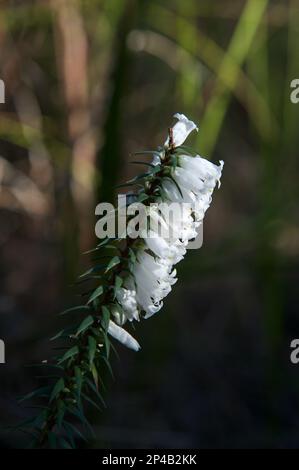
column 192, row 181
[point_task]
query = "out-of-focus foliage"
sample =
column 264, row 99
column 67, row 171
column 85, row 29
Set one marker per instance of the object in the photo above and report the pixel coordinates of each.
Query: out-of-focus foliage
column 88, row 82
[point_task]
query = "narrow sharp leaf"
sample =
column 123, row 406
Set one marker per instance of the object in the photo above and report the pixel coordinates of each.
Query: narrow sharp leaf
column 97, row 293
column 114, row 262
column 92, row 347
column 75, row 309
column 86, row 323
column 69, row 354
column 96, row 391
column 105, row 317
column 39, row 392
column 59, row 386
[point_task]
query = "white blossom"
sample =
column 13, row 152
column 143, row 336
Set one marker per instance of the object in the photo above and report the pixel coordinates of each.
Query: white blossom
column 171, row 249
column 153, row 277
column 181, row 130
column 127, row 300
column 123, row 336
column 204, row 169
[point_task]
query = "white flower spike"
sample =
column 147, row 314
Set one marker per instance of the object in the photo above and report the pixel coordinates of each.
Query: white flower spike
column 139, row 274
column 192, row 181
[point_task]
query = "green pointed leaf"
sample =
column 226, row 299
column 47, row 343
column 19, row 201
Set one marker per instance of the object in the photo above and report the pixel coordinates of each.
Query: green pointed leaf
column 134, row 162
column 69, row 354
column 92, row 402
column 142, row 197
column 176, row 184
column 148, row 152
column 114, row 262
column 94, row 269
column 174, row 162
column 36, row 393
column 102, row 248
column 45, row 365
column 107, row 345
column 96, row 391
column 78, row 412
column 185, row 150
column 108, row 366
column 40, row 419
column 59, row 386
column 118, row 282
column 115, row 351
column 132, row 255
column 94, row 374
column 65, row 444
column 92, row 347
column 70, row 428
column 58, row 335
column 155, row 170
column 60, row 413
column 86, row 323
column 101, row 244
column 137, row 179
column 79, row 380
column 97, row 293
column 75, row 309
column 105, row 317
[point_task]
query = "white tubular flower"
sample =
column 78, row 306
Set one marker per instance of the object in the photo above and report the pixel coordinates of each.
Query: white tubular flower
column 171, row 227
column 123, row 336
column 127, row 300
column 194, row 181
column 188, row 180
column 181, row 130
column 160, row 239
column 184, row 226
column 154, row 278
column 205, row 170
column 171, row 249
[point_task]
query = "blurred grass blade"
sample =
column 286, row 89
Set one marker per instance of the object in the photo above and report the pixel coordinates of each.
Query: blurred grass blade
column 238, row 50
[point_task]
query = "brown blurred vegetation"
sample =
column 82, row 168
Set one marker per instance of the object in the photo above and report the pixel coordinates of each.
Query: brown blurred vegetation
column 88, row 82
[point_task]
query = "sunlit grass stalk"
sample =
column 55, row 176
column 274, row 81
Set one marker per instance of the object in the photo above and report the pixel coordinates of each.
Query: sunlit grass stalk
column 206, row 53
column 237, row 51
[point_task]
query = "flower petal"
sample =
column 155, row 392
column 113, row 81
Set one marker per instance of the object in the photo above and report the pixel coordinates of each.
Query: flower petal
column 181, row 130
column 123, row 336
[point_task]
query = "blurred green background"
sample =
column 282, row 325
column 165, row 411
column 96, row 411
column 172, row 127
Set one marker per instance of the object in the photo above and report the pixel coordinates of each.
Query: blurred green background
column 88, row 82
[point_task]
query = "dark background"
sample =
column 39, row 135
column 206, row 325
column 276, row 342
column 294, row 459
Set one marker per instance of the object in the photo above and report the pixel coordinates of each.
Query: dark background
column 88, row 82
